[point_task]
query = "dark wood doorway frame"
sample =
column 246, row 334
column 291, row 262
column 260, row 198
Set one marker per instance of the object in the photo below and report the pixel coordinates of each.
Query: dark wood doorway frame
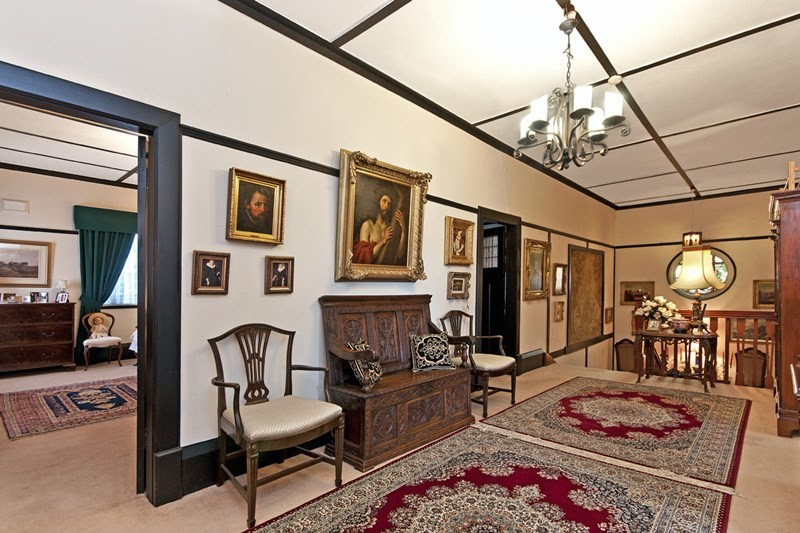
column 158, row 459
column 511, row 266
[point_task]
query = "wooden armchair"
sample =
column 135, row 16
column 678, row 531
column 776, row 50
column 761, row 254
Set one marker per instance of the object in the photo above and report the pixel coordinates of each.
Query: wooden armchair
column 625, row 353
column 101, row 336
column 481, row 365
column 263, row 425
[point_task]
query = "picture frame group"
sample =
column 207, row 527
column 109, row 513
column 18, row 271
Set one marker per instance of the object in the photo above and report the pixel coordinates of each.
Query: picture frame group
column 25, row 263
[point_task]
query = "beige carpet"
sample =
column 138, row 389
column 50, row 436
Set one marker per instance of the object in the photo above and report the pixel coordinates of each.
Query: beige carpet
column 83, row 479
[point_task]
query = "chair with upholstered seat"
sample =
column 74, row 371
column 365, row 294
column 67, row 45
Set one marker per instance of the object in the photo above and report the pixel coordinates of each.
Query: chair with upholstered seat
column 262, row 424
column 102, row 339
column 481, row 365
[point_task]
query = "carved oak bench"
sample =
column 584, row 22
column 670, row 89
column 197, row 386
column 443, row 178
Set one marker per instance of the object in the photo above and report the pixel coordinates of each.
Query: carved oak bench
column 404, row 409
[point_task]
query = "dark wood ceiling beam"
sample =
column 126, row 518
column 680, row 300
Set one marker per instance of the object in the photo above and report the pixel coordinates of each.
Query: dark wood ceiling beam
column 64, row 175
column 64, row 141
column 621, row 207
column 61, row 158
column 369, row 22
column 128, row 174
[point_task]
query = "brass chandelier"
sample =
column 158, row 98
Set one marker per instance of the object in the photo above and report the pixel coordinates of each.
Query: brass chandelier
column 566, row 123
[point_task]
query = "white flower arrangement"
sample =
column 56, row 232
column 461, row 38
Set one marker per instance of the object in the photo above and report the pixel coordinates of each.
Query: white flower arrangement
column 659, row 309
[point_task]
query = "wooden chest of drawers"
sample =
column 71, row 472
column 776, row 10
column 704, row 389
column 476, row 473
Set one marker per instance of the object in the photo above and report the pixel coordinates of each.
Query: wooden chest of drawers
column 36, row 335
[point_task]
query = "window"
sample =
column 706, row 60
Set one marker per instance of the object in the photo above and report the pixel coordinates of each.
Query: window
column 490, row 251
column 724, row 268
column 126, row 291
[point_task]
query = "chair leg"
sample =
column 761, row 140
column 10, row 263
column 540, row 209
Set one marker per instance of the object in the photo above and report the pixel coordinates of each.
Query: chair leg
column 119, row 355
column 339, row 437
column 485, row 395
column 222, row 446
column 514, row 385
column 86, row 358
column 252, row 484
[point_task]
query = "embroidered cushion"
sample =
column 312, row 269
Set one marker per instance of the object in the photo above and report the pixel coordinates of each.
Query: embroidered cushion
column 368, row 374
column 429, row 351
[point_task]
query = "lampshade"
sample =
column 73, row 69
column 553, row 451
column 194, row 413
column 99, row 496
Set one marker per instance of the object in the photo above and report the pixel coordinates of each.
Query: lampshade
column 61, row 284
column 697, row 270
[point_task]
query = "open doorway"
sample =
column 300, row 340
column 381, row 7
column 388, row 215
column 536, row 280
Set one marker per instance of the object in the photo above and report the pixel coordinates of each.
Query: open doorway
column 498, row 274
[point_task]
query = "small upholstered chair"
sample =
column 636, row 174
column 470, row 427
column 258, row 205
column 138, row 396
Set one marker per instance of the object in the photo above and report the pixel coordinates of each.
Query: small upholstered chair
column 625, row 355
column 481, row 365
column 263, row 425
column 105, row 341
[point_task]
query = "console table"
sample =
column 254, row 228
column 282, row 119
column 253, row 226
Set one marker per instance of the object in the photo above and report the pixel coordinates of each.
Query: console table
column 645, row 346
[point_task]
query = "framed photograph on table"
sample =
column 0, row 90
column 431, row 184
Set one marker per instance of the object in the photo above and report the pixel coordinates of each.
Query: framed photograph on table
column 653, row 325
column 559, row 279
column 458, row 241
column 279, row 275
column 379, row 229
column 255, row 207
column 210, row 272
column 25, row 263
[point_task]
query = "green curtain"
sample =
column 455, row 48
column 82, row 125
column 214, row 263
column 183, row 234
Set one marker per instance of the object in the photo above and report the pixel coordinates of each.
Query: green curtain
column 105, row 238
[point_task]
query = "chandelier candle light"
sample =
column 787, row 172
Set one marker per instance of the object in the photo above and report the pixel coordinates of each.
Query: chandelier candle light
column 565, row 121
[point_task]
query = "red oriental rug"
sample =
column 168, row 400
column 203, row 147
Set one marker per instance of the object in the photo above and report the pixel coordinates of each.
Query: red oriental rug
column 483, row 481
column 691, row 434
column 37, row 411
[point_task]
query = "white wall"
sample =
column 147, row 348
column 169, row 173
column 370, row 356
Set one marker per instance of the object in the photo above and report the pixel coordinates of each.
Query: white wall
column 228, row 74
column 51, row 202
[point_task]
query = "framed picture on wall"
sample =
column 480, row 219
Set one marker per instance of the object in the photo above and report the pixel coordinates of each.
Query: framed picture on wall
column 210, row 272
column 279, row 275
column 25, row 263
column 635, row 292
column 558, row 312
column 458, row 237
column 536, row 269
column 255, row 207
column 608, row 315
column 379, row 230
column 458, row 285
column 559, row 279
column 763, row 294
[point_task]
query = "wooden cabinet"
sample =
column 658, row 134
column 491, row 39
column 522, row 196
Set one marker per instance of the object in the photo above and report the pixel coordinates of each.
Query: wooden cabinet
column 787, row 303
column 36, row 335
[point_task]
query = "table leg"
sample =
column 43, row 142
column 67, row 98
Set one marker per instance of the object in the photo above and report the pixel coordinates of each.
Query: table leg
column 638, row 355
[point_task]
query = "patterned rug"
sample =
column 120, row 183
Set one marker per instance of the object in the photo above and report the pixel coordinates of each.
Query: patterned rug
column 483, row 481
column 37, row 411
column 691, row 434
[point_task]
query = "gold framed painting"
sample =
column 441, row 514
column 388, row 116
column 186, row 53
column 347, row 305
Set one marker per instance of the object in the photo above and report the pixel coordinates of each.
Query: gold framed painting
column 256, row 205
column 379, row 230
column 763, row 294
column 559, row 279
column 210, row 272
column 537, row 269
column 458, row 285
column 25, row 263
column 608, row 315
column 635, row 292
column 279, row 275
column 458, row 241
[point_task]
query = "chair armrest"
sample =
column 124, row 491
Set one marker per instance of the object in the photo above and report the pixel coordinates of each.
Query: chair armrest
column 317, row 369
column 237, row 417
column 463, row 339
column 498, row 338
column 351, row 355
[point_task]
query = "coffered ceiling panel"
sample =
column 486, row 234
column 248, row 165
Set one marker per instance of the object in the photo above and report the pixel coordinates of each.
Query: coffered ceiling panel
column 476, row 58
column 625, row 163
column 328, row 19
column 753, row 174
column 649, row 190
column 44, row 163
column 750, row 75
column 16, row 140
column 635, row 33
column 765, row 135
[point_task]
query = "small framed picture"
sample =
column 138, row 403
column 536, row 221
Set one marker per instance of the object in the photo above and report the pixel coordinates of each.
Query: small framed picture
column 9, row 297
column 559, row 279
column 635, row 292
column 653, row 325
column 763, row 294
column 62, row 297
column 458, row 285
column 608, row 315
column 458, row 241
column 558, row 312
column 210, row 272
column 279, row 275
column 255, row 207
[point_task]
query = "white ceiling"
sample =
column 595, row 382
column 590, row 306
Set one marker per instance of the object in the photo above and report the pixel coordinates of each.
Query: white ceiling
column 35, row 140
column 480, row 59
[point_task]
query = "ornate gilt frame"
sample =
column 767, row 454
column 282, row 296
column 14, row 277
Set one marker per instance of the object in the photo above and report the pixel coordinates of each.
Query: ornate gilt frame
column 235, row 177
column 353, row 164
column 531, row 294
column 450, row 225
column 452, row 293
column 564, row 278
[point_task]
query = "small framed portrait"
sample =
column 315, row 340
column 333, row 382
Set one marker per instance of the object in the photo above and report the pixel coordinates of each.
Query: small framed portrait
column 653, row 325
column 62, row 297
column 558, row 312
column 458, row 285
column 458, row 237
column 25, row 263
column 279, row 275
column 635, row 292
column 559, row 279
column 255, row 207
column 537, row 269
column 763, row 294
column 210, row 272
column 8, row 297
column 379, row 229
column 608, row 315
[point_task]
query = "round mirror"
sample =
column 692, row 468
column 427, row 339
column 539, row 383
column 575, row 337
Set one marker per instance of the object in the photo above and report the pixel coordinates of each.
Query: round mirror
column 724, row 268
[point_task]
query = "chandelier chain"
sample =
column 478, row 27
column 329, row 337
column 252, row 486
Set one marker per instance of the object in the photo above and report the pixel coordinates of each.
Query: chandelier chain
column 568, row 51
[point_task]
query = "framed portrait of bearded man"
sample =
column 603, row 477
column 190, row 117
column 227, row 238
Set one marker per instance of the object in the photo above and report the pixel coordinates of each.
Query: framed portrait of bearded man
column 379, row 231
column 255, row 207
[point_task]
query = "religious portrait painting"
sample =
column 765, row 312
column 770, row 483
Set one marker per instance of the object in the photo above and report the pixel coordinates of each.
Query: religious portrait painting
column 255, row 207
column 379, row 232
column 279, row 275
column 458, row 241
column 210, row 272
